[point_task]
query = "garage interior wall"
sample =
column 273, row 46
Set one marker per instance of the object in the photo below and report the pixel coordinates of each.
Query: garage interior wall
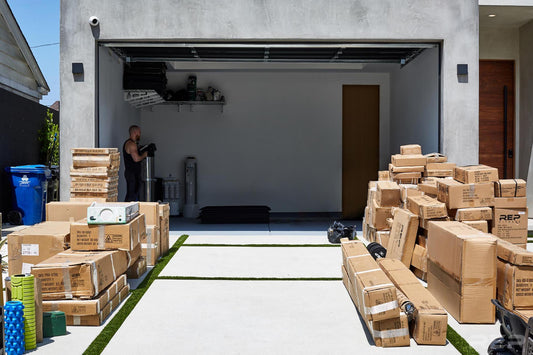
column 115, row 114
column 278, row 141
column 414, row 103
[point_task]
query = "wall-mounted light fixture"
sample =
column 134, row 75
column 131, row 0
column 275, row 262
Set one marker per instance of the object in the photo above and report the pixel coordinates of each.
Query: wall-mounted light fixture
column 77, row 68
column 462, row 73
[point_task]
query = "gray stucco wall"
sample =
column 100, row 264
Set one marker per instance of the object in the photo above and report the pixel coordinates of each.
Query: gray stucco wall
column 453, row 22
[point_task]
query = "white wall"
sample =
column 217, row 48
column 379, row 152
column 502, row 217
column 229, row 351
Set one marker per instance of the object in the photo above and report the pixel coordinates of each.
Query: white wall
column 277, row 143
column 115, row 114
column 504, row 43
column 414, row 103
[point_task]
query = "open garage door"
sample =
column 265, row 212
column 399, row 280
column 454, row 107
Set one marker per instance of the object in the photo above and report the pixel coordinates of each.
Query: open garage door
column 278, row 139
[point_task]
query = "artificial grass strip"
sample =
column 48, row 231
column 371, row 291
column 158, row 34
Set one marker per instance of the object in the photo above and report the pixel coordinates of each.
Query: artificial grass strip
column 459, row 342
column 266, row 245
column 100, row 342
column 216, row 278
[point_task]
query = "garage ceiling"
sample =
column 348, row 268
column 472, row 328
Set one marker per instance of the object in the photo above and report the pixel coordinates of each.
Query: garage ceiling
column 401, row 53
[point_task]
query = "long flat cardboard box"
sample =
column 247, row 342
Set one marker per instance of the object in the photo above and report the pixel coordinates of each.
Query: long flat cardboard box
column 459, row 195
column 408, row 160
column 71, row 274
column 410, row 149
column 87, row 307
column 388, row 194
column 66, row 211
column 482, row 226
column 431, row 321
column 472, row 214
column 386, row 333
column 510, row 202
column 513, row 254
column 406, row 169
column 475, row 174
column 85, row 237
column 426, row 207
column 515, row 285
column 93, row 151
column 377, row 295
column 511, row 225
column 440, row 169
column 462, row 270
column 98, row 319
column 510, row 188
column 402, row 236
column 34, row 244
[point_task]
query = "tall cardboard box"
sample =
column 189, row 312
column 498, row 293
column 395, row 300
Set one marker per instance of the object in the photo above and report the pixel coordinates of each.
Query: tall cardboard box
column 86, row 237
column 459, row 195
column 164, row 225
column 71, row 274
column 151, row 245
column 475, row 174
column 431, row 321
column 510, row 225
column 388, row 194
column 515, row 276
column 34, row 244
column 66, row 210
column 426, row 207
column 150, row 211
column 402, row 236
column 462, row 270
column 375, row 292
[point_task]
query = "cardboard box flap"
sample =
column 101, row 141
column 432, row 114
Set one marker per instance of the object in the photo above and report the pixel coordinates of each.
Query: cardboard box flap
column 513, row 253
column 54, row 228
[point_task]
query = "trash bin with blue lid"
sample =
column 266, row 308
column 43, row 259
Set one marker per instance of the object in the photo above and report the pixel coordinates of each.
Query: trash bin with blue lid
column 29, row 193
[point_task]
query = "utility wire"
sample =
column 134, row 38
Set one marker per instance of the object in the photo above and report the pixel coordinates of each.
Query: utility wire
column 46, row 45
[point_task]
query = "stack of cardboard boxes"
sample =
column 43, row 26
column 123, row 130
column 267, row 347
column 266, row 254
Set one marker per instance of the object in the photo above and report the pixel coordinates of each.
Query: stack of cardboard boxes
column 94, row 174
column 440, row 229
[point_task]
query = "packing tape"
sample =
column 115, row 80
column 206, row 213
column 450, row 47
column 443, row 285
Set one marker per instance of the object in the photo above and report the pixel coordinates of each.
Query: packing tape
column 377, row 286
column 387, row 306
column 101, row 236
column 393, row 333
column 472, row 190
column 76, row 320
column 363, row 272
column 515, row 187
column 113, row 268
column 66, row 282
column 357, row 256
column 95, row 278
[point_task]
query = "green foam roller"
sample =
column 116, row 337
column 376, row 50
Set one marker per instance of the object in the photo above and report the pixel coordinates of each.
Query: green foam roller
column 22, row 289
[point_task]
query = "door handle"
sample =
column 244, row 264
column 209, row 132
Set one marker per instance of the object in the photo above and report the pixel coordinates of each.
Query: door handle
column 510, row 153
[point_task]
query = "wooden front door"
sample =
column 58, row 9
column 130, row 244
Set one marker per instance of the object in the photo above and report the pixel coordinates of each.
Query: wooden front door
column 360, row 146
column 497, row 115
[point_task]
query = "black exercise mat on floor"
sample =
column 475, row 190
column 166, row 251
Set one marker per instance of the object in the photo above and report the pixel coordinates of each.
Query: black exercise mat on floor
column 234, row 214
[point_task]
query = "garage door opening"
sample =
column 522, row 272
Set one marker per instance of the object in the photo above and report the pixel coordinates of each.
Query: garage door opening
column 278, row 138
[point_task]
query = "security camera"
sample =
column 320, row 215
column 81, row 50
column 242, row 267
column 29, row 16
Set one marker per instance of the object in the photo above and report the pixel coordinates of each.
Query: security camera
column 94, row 21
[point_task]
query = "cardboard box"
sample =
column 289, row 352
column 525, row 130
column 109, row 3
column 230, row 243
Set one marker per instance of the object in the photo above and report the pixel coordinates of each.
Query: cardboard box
column 424, row 223
column 386, row 333
column 513, row 253
column 510, row 188
column 462, row 270
column 426, row 207
column 420, row 258
column 150, row 245
column 475, row 174
column 407, row 190
column 164, row 227
column 372, row 287
column 428, row 188
column 408, row 160
column 431, row 321
column 371, row 195
column 98, row 319
column 406, row 169
column 400, row 178
column 458, row 195
column 34, row 244
column 421, row 240
column 382, row 237
column 150, row 211
column 137, row 269
column 388, row 194
column 510, row 225
column 440, row 169
column 66, row 211
column 72, row 274
column 436, row 158
column 525, row 314
column 383, row 175
column 422, row 275
column 482, row 226
column 510, row 202
column 86, row 237
column 87, row 307
column 402, row 236
column 515, row 285
column 410, row 149
column 379, row 216
column 471, row 214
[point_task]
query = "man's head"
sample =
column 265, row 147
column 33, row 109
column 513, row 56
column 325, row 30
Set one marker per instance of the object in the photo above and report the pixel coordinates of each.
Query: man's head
column 135, row 133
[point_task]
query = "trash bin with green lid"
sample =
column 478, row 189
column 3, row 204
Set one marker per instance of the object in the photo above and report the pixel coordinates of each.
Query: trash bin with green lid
column 29, row 193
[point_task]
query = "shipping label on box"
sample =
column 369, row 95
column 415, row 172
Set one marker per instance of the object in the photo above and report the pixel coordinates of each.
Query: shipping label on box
column 457, row 195
column 86, row 237
column 408, row 160
column 510, row 225
column 410, row 149
column 426, row 207
column 431, row 320
column 388, row 194
column 476, row 174
column 510, row 188
column 472, row 214
column 34, row 244
column 402, row 236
